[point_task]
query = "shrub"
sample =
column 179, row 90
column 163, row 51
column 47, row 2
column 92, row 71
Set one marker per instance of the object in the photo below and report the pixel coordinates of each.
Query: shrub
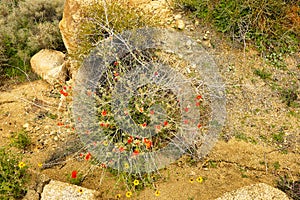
column 101, row 20
column 25, row 28
column 13, row 175
column 271, row 25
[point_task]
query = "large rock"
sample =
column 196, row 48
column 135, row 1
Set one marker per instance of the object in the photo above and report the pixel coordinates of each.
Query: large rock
column 70, row 21
column 69, row 26
column 50, row 65
column 57, row 190
column 259, row 191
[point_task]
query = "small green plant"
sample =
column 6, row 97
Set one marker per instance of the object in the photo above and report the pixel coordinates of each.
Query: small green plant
column 212, row 164
column 13, row 175
column 75, row 177
column 276, row 165
column 51, row 115
column 263, row 74
column 290, row 187
column 243, row 137
column 278, row 137
column 21, row 140
column 290, row 96
column 276, row 59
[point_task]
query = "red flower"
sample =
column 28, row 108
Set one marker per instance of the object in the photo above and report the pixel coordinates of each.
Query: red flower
column 74, row 174
column 186, row 121
column 158, row 127
column 63, row 93
column 199, row 97
column 88, row 156
column 60, row 124
column 116, row 74
column 197, row 103
column 144, row 124
column 199, row 125
column 104, row 113
column 116, row 63
column 186, row 109
column 152, row 112
column 130, row 139
column 165, row 123
column 102, row 124
column 156, row 73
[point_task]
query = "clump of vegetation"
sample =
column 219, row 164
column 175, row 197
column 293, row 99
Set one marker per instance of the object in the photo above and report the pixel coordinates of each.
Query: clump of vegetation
column 100, row 21
column 271, row 25
column 13, row 175
column 290, row 187
column 27, row 26
column 263, row 74
column 290, row 96
column 21, row 140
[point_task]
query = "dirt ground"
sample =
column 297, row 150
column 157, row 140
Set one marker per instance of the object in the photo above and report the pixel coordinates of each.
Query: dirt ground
column 247, row 152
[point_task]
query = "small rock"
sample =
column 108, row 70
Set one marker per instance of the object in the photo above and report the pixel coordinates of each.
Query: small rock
column 178, row 16
column 188, row 70
column 206, row 43
column 60, row 190
column 180, row 24
column 256, row 191
column 26, row 126
column 55, row 138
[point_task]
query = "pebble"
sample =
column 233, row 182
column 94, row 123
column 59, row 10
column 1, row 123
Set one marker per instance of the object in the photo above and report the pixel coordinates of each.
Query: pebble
column 180, row 24
column 55, row 138
column 178, row 16
column 26, row 126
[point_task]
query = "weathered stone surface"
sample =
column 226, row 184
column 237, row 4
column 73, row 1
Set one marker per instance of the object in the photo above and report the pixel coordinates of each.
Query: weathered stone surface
column 259, row 191
column 49, row 64
column 56, row 190
column 31, row 195
column 70, row 21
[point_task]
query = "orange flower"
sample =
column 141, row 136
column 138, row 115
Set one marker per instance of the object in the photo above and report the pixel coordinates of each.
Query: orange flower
column 104, row 113
column 60, row 124
column 136, row 152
